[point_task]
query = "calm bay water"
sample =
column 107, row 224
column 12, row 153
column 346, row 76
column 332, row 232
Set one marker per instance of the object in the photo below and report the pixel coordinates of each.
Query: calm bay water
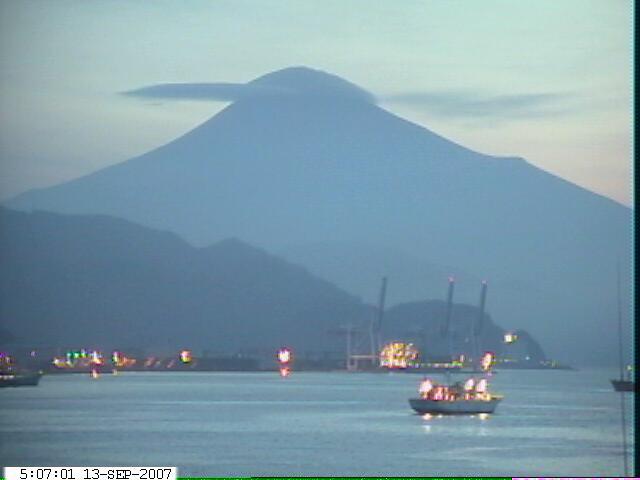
column 555, row 423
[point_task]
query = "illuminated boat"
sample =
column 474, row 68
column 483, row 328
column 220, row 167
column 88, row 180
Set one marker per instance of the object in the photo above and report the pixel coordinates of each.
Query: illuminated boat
column 472, row 397
column 23, row 379
column 457, row 407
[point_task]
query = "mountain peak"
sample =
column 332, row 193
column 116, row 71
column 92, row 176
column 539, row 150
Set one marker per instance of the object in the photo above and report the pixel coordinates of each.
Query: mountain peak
column 305, row 81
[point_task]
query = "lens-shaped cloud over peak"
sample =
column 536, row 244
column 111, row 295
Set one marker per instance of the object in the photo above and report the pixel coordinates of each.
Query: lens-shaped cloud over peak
column 288, row 82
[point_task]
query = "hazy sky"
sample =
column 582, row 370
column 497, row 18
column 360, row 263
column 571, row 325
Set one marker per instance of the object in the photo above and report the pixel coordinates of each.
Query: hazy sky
column 547, row 80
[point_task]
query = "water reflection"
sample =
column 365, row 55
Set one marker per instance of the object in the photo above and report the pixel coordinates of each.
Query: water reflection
column 468, row 425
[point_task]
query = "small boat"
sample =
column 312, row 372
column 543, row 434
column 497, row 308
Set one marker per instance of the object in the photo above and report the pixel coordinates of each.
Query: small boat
column 20, row 379
column 472, row 397
column 461, row 407
column 623, row 385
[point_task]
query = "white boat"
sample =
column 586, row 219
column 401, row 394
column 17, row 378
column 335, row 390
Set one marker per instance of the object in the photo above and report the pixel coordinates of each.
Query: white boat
column 466, row 407
column 472, row 397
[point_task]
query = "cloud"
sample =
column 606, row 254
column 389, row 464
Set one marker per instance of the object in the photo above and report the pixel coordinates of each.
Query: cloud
column 451, row 104
column 225, row 92
column 291, row 81
column 228, row 92
column 469, row 105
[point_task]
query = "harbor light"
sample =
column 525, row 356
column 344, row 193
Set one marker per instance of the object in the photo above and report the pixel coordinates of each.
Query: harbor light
column 510, row 337
column 399, row 355
column 120, row 360
column 185, row 356
column 96, row 358
column 58, row 362
column 487, row 361
column 284, row 355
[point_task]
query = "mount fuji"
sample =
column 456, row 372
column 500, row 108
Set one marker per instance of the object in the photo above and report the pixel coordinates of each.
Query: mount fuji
column 308, row 166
